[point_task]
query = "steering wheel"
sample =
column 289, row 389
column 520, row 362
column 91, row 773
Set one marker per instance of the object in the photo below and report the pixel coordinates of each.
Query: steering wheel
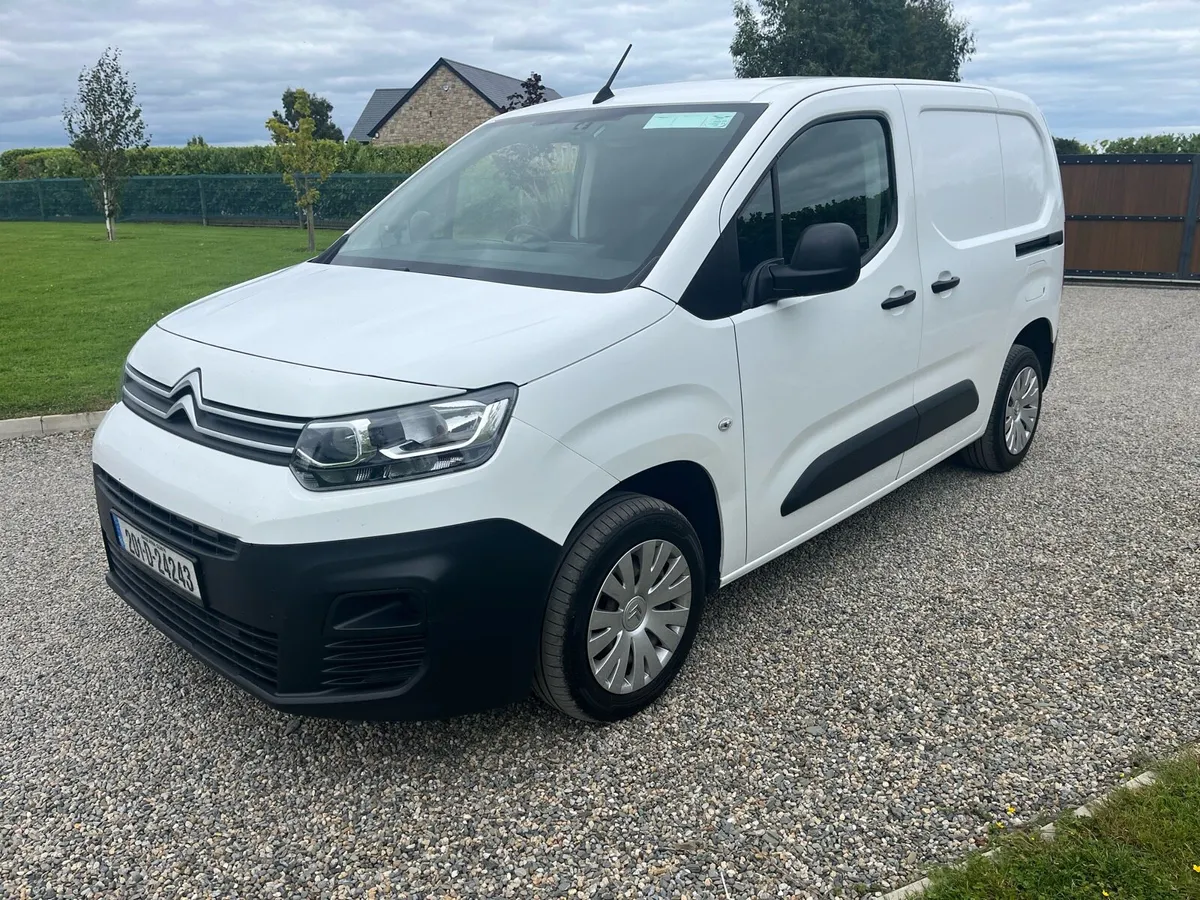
column 538, row 235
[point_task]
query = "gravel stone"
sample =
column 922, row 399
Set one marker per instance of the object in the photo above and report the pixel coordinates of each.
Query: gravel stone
column 865, row 706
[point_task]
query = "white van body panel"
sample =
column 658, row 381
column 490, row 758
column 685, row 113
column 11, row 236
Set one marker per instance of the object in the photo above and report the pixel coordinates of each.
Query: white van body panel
column 412, row 327
column 658, row 397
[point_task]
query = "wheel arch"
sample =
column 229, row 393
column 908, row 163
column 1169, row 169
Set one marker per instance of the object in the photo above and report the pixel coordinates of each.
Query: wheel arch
column 688, row 487
column 1038, row 336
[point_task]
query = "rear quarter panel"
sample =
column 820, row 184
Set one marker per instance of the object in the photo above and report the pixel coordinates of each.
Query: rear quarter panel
column 1031, row 171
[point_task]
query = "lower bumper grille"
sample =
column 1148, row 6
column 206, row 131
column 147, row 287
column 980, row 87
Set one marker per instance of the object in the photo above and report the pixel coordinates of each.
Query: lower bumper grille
column 249, row 652
column 366, row 664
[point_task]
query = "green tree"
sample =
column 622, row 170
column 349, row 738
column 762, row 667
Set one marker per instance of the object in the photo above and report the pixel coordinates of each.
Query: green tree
column 1153, row 143
column 103, row 122
column 532, row 93
column 862, row 38
column 197, row 141
column 320, row 111
column 1071, row 147
column 306, row 160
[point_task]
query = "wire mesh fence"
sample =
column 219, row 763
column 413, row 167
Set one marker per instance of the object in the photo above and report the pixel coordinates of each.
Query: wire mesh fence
column 206, row 199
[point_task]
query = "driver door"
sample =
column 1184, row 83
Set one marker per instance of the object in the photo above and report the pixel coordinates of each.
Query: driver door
column 827, row 380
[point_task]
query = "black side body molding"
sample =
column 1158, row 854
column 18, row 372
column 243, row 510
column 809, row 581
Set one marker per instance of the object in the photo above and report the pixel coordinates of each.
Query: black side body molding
column 945, row 408
column 1045, row 242
column 883, row 441
column 853, row 458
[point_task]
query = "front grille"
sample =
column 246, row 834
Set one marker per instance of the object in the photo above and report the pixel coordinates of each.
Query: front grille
column 184, row 411
column 372, row 664
column 249, row 652
column 161, row 523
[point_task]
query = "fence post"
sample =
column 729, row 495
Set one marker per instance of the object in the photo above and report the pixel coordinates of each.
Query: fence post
column 41, row 199
column 1191, row 214
column 203, row 208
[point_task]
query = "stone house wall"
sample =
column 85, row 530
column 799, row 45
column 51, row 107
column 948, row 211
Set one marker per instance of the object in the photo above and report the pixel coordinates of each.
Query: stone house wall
column 441, row 110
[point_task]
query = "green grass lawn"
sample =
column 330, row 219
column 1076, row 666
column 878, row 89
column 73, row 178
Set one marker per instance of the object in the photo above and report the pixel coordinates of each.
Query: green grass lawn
column 72, row 304
column 1140, row 845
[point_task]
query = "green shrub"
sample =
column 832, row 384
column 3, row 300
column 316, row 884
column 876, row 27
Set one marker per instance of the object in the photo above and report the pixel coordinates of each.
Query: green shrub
column 8, row 161
column 1153, row 143
column 63, row 162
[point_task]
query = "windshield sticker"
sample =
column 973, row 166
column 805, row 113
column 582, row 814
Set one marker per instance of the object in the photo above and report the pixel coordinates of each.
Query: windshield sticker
column 690, row 120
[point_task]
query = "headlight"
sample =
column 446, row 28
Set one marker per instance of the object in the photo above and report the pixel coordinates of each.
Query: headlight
column 401, row 444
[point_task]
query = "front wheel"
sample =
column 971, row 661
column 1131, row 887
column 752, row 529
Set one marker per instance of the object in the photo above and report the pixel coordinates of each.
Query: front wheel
column 623, row 610
column 1015, row 414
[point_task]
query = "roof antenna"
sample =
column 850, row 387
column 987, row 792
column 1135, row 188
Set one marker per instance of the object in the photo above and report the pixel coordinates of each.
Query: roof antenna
column 605, row 93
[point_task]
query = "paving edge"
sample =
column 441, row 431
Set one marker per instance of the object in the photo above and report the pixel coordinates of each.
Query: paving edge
column 34, row 425
column 1047, row 832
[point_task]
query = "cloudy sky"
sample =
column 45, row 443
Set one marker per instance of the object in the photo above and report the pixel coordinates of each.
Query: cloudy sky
column 1099, row 68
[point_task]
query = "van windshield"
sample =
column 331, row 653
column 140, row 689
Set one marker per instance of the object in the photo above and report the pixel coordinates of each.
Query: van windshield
column 581, row 200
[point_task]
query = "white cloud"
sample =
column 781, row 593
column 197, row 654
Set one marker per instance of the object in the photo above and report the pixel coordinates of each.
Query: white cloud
column 217, row 67
column 1097, row 69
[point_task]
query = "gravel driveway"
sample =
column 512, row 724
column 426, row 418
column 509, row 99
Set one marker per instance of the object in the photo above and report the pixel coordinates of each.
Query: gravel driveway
column 861, row 708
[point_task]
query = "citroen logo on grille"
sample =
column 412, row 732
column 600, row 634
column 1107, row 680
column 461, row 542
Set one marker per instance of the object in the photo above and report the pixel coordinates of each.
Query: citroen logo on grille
column 185, row 394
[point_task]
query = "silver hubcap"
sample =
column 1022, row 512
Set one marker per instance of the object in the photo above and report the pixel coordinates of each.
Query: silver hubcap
column 1021, row 411
column 639, row 616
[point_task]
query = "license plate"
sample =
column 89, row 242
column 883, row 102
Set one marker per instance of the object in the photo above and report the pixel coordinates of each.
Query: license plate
column 164, row 562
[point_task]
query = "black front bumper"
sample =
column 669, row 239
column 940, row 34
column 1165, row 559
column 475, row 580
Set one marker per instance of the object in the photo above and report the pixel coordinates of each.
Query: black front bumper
column 410, row 626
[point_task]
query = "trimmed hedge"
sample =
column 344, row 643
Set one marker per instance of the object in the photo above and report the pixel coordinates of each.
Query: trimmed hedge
column 245, row 199
column 63, row 162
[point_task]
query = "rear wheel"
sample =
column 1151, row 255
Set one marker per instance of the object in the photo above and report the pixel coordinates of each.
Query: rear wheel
column 1015, row 415
column 623, row 610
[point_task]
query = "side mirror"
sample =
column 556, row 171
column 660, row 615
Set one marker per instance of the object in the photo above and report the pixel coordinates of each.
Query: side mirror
column 827, row 258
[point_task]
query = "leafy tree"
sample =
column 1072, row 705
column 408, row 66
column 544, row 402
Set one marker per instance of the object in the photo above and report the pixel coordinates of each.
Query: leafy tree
column 103, row 123
column 1153, row 143
column 1070, row 146
column 863, row 38
column 197, row 141
column 320, row 111
column 532, row 93
column 306, row 160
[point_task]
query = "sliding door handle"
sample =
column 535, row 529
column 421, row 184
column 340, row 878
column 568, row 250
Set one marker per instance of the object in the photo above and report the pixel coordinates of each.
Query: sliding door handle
column 940, row 287
column 903, row 300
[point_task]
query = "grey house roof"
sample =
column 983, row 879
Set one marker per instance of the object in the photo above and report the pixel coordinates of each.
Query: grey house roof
column 495, row 87
column 492, row 86
column 382, row 102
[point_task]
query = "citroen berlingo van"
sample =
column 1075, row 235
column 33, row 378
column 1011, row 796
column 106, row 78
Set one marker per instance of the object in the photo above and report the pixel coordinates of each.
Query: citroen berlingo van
column 591, row 363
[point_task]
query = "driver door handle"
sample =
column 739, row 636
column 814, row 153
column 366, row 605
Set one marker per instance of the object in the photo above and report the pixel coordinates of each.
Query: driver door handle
column 940, row 287
column 903, row 300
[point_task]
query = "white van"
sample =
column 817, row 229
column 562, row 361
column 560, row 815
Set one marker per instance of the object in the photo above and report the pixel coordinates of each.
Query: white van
column 591, row 363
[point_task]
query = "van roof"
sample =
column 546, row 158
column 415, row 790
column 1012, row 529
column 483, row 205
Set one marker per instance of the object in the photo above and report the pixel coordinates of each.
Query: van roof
column 732, row 90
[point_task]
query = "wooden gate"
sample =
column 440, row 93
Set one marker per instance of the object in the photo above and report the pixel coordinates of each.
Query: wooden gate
column 1132, row 216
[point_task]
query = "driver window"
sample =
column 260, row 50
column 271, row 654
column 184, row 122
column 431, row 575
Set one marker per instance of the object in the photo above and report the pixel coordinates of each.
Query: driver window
column 833, row 172
column 837, row 172
column 517, row 192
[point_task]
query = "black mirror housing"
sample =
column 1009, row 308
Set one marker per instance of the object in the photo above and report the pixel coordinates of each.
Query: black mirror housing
column 827, row 258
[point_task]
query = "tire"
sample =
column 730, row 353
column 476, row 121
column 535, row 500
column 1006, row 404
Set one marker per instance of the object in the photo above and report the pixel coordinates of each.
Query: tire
column 991, row 452
column 633, row 530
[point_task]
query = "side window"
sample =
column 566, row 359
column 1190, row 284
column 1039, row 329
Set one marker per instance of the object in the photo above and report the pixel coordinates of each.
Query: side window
column 838, row 172
column 756, row 227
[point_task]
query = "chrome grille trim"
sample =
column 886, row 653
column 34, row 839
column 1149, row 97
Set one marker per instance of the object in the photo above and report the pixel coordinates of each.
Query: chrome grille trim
column 211, row 407
column 183, row 410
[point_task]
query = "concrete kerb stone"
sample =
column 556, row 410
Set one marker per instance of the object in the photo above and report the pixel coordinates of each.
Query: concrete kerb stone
column 1047, row 832
column 35, row 425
